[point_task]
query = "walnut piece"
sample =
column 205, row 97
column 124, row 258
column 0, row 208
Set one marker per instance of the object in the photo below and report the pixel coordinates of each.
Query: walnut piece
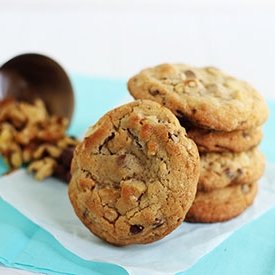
column 30, row 136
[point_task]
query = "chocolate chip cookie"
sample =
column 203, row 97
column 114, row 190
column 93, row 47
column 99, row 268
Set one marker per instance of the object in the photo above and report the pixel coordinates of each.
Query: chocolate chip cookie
column 221, row 141
column 221, row 169
column 222, row 204
column 205, row 97
column 134, row 176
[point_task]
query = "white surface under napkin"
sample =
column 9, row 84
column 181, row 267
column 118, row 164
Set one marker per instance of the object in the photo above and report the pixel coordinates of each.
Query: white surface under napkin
column 46, row 203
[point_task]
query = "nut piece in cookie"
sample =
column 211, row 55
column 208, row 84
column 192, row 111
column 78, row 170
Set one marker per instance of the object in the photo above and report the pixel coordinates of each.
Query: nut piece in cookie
column 134, row 177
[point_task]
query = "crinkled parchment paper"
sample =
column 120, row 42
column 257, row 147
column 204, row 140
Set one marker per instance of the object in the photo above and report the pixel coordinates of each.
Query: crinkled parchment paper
column 46, row 203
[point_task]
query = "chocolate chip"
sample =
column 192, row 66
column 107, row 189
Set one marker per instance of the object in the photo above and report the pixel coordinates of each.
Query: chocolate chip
column 229, row 173
column 239, row 171
column 158, row 222
column 241, row 122
column 67, row 155
column 85, row 213
column 246, row 135
column 62, row 170
column 121, row 160
column 63, row 173
column 136, row 228
column 154, row 92
column 190, row 74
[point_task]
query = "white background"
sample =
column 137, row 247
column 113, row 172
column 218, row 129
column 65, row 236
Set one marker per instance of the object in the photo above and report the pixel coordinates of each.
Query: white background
column 118, row 38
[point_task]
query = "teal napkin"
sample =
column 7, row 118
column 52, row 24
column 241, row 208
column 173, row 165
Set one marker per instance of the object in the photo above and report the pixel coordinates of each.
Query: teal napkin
column 93, row 98
column 249, row 251
column 3, row 167
column 24, row 245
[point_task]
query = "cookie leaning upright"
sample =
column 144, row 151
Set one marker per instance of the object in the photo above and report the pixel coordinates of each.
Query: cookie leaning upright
column 134, row 177
column 205, row 97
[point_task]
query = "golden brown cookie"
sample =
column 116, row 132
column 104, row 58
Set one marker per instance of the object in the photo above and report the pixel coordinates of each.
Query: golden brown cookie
column 205, row 97
column 221, row 169
column 222, row 204
column 220, row 141
column 134, row 177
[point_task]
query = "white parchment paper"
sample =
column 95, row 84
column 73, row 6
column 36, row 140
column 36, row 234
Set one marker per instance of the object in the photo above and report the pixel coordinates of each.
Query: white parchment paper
column 46, row 203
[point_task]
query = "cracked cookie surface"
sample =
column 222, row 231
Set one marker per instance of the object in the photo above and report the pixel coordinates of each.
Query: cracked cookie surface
column 205, row 97
column 134, row 176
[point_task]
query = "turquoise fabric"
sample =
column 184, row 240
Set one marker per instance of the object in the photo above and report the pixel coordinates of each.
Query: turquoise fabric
column 24, row 245
column 3, row 167
column 93, row 98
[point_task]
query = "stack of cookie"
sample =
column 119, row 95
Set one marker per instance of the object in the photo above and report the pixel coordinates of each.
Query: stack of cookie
column 228, row 180
column 224, row 116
